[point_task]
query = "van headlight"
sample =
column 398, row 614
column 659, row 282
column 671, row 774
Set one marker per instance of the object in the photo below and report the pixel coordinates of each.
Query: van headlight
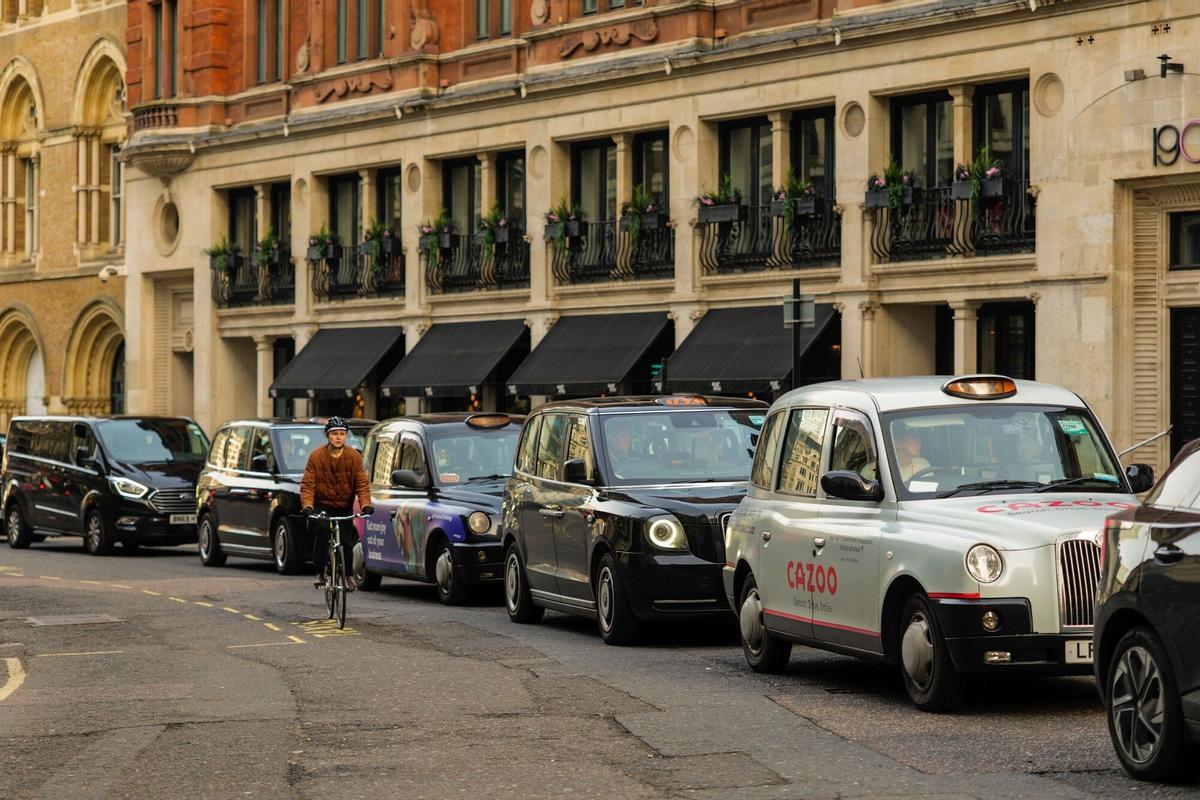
column 984, row 563
column 479, row 522
column 666, row 533
column 127, row 488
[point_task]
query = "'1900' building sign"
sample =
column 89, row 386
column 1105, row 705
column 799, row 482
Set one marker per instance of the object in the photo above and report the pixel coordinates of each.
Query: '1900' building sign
column 1170, row 142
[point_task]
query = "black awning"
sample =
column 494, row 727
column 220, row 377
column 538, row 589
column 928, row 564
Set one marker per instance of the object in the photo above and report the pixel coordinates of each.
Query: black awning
column 736, row 350
column 457, row 358
column 336, row 361
column 591, row 354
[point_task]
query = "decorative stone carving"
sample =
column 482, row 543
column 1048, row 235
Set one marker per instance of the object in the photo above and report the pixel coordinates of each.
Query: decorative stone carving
column 424, row 26
column 302, row 57
column 643, row 30
column 359, row 84
column 539, row 11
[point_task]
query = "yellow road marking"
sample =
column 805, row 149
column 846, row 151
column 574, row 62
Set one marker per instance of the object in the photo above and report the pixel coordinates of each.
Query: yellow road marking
column 231, row 610
column 272, row 627
column 250, row 616
column 16, row 676
column 93, row 583
column 263, row 644
column 177, row 599
column 202, row 603
column 148, row 591
column 121, row 586
column 296, row 639
column 49, row 578
column 91, row 653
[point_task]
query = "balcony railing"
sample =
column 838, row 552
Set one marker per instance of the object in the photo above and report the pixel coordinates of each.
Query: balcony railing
column 155, row 116
column 760, row 239
column 606, row 251
column 349, row 271
column 245, row 283
column 469, row 265
column 936, row 225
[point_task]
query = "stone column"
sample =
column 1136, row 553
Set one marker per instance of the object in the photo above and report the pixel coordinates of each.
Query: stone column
column 94, row 191
column 366, row 179
column 867, row 311
column 261, row 215
column 487, row 183
column 781, row 145
column 693, row 147
column 966, row 331
column 81, row 204
column 264, row 347
column 963, row 123
column 10, row 205
column 302, row 334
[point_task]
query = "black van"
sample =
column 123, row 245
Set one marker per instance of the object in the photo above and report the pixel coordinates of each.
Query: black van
column 108, row 479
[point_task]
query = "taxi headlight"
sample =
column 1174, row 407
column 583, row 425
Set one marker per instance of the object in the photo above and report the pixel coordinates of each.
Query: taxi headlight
column 984, row 563
column 127, row 488
column 479, row 522
column 666, row 533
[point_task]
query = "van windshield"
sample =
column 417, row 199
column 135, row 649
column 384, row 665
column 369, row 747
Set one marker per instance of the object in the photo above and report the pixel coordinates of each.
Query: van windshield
column 986, row 448
column 680, row 446
column 152, row 441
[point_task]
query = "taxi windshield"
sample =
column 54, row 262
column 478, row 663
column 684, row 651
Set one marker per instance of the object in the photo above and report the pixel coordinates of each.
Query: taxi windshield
column 463, row 455
column 968, row 450
column 297, row 443
column 680, row 446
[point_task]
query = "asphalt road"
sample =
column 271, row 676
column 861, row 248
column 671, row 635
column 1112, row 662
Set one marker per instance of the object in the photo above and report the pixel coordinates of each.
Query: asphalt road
column 228, row 683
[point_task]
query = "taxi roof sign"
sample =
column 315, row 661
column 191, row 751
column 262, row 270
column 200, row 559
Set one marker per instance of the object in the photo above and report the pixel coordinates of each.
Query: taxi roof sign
column 981, row 387
column 682, row 400
column 488, row 420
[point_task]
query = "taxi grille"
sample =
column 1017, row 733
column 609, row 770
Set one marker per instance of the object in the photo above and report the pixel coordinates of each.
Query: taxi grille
column 1078, row 573
column 706, row 541
column 173, row 502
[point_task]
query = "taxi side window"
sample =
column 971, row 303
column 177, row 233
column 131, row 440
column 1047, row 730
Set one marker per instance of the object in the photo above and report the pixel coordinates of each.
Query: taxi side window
column 239, row 443
column 261, row 457
column 411, row 455
column 216, row 454
column 527, row 454
column 853, row 448
column 577, row 441
column 801, row 467
column 1178, row 486
column 762, row 471
column 550, row 446
column 381, row 467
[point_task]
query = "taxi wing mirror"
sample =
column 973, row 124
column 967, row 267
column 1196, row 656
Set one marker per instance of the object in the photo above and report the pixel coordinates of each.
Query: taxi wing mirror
column 575, row 471
column 1141, row 477
column 848, row 485
column 410, row 479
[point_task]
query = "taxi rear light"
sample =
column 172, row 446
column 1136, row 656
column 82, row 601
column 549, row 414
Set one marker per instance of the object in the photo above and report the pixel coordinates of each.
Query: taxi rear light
column 682, row 400
column 981, row 387
column 488, row 420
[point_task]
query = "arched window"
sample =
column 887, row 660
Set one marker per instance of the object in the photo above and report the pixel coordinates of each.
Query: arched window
column 116, row 383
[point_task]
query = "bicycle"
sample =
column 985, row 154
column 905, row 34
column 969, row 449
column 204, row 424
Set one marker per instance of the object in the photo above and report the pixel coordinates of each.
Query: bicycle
column 335, row 573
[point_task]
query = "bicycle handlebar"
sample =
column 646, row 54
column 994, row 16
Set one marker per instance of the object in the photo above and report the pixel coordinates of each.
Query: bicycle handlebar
column 325, row 516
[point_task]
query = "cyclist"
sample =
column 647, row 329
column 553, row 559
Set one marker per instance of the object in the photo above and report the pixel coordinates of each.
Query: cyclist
column 333, row 477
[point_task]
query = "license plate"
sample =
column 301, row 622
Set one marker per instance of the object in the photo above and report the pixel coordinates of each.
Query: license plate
column 183, row 519
column 1079, row 651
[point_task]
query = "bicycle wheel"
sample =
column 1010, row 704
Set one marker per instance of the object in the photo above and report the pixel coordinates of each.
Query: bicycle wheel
column 340, row 589
column 331, row 583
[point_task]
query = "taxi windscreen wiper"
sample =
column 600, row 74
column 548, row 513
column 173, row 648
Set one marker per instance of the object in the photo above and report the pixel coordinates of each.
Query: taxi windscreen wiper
column 989, row 486
column 1061, row 482
column 475, row 478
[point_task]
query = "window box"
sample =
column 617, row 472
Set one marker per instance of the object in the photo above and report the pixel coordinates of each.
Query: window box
column 650, row 221
column 803, row 206
column 553, row 229
column 960, row 190
column 388, row 245
column 732, row 212
column 501, row 235
column 878, row 198
column 428, row 241
column 991, row 187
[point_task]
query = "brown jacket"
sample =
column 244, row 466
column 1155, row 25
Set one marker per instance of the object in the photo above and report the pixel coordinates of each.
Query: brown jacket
column 334, row 483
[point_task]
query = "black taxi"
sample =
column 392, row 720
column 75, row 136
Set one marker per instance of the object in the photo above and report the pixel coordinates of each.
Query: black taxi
column 616, row 508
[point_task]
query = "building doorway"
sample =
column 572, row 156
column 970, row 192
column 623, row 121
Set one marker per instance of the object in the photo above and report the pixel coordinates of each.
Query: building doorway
column 35, row 384
column 1006, row 339
column 1185, row 377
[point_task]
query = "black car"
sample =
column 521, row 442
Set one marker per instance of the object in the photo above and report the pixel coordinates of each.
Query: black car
column 1147, row 635
column 248, row 496
column 616, row 508
column 436, row 482
column 108, row 479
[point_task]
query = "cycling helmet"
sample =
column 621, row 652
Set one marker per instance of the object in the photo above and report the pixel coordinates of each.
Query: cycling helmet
column 335, row 424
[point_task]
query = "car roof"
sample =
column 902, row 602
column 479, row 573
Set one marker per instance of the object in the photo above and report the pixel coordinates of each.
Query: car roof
column 450, row 418
column 652, row 401
column 95, row 417
column 924, row 391
column 282, row 422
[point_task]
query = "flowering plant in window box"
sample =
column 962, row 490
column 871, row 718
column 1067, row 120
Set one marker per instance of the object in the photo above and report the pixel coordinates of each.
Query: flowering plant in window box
column 723, row 205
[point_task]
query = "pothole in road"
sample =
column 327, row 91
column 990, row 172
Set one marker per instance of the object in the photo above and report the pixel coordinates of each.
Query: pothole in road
column 73, row 619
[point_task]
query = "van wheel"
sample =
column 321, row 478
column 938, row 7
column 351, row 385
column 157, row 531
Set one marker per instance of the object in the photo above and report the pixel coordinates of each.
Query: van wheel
column 211, row 554
column 618, row 625
column 450, row 587
column 1145, row 720
column 97, row 539
column 18, row 535
column 764, row 651
column 932, row 682
column 517, row 598
column 288, row 560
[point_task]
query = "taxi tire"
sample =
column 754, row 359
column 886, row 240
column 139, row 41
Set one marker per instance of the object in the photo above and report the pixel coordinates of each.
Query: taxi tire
column 368, row 580
column 291, row 561
column 621, row 626
column 517, row 599
column 457, row 592
column 211, row 554
column 774, row 653
column 946, row 685
column 97, row 539
column 1173, row 758
column 18, row 531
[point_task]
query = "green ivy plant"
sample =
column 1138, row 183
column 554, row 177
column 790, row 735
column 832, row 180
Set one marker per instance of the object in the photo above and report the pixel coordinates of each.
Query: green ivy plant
column 223, row 254
column 265, row 249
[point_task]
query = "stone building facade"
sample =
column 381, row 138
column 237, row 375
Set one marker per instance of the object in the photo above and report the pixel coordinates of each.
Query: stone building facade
column 62, row 124
column 365, row 119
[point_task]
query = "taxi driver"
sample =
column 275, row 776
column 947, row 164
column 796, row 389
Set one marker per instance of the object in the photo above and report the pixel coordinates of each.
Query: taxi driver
column 908, row 452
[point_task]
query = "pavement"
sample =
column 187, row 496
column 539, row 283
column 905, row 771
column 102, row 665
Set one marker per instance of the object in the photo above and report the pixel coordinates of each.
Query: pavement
column 148, row 675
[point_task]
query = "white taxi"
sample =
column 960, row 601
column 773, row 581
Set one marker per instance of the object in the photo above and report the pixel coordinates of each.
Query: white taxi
column 944, row 526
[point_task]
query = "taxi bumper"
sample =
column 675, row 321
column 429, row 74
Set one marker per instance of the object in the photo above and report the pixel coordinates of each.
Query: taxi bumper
column 1013, row 646
column 479, row 563
column 663, row 586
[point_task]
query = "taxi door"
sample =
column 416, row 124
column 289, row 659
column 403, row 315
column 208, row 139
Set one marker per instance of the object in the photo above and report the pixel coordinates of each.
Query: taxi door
column 787, row 529
column 844, row 573
column 573, row 531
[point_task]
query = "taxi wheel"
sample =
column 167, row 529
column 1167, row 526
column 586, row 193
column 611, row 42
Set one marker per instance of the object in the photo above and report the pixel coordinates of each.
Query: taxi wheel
column 450, row 586
column 932, row 682
column 764, row 651
column 18, row 534
column 618, row 625
column 1145, row 720
column 367, row 579
column 211, row 554
column 288, row 560
column 517, row 598
column 96, row 538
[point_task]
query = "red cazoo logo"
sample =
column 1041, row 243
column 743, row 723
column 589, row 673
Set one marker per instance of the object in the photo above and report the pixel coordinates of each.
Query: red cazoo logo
column 812, row 577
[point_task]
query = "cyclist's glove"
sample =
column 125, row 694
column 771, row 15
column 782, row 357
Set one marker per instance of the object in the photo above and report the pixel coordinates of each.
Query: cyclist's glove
column 368, row 509
column 308, row 511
